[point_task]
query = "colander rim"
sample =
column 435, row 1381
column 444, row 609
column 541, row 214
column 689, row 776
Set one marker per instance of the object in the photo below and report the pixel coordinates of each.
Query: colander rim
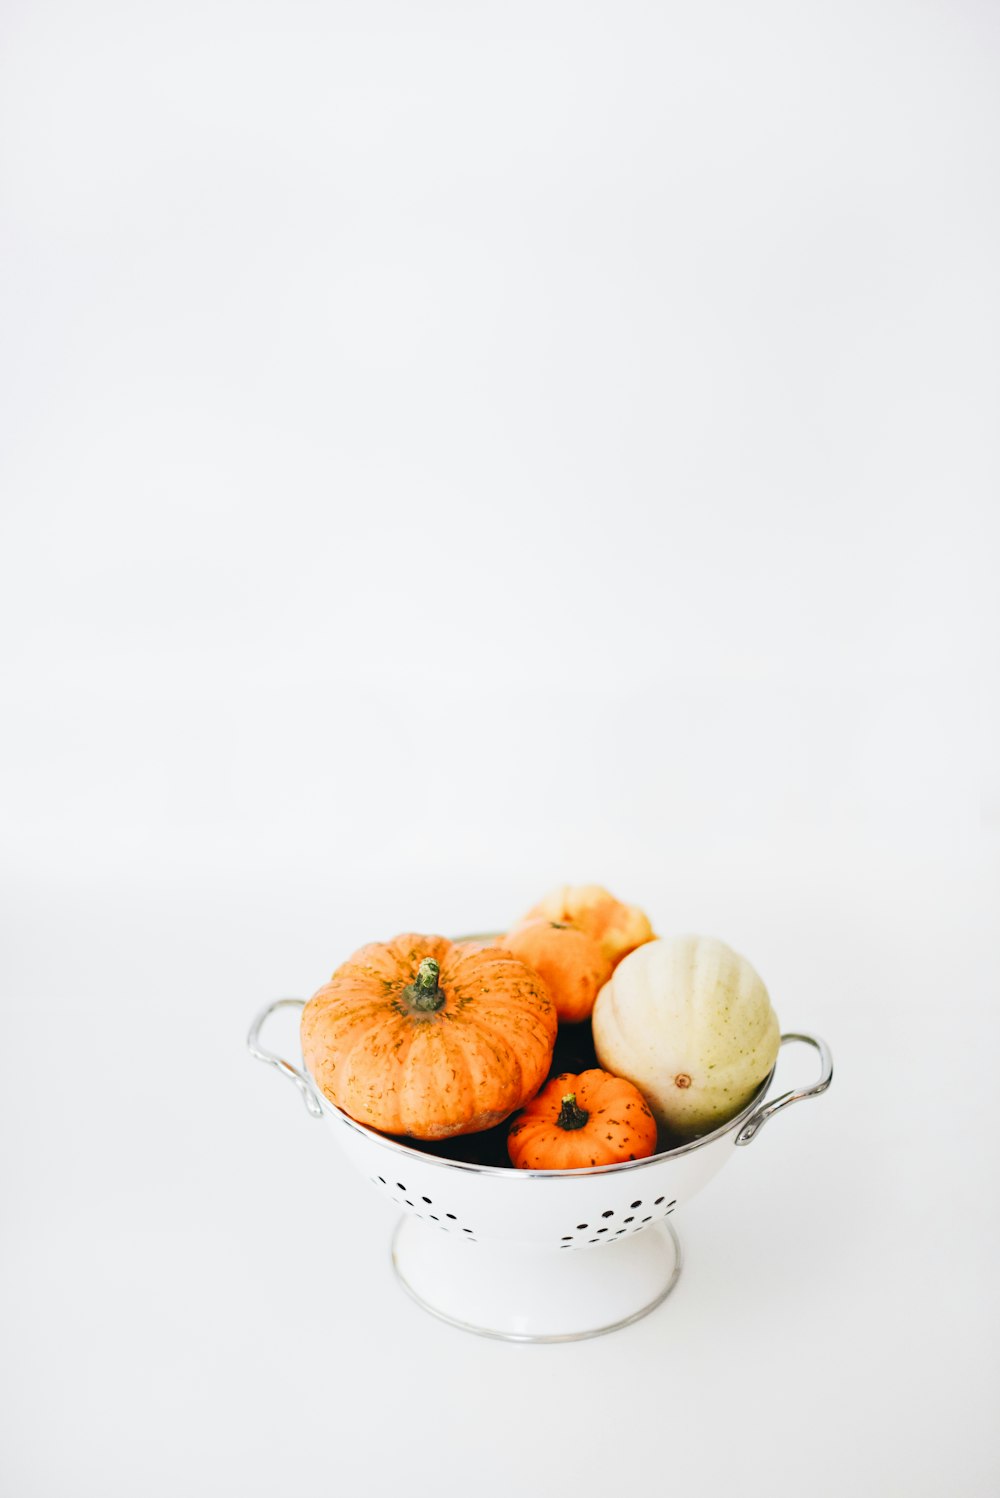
column 510, row 1172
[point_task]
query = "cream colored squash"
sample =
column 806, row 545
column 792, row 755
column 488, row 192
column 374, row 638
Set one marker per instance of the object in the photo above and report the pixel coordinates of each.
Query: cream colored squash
column 689, row 1022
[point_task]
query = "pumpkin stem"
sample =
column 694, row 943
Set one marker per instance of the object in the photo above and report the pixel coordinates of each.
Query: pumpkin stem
column 570, row 1115
column 423, row 993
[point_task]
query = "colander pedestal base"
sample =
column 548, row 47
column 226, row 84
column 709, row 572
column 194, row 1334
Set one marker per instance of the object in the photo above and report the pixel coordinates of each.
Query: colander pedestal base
column 524, row 1293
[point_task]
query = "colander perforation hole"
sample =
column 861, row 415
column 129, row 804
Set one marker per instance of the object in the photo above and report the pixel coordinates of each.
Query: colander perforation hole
column 659, row 1200
column 567, row 1237
column 609, row 1213
column 595, row 1240
column 581, row 1227
column 415, row 1204
column 647, row 1219
column 630, row 1219
column 602, row 1230
column 634, row 1204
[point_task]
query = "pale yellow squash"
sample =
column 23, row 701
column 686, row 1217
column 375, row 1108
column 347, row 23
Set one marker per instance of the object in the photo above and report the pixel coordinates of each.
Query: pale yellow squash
column 689, row 1022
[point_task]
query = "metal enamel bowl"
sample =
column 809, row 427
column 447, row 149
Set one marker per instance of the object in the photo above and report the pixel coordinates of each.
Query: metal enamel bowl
column 537, row 1255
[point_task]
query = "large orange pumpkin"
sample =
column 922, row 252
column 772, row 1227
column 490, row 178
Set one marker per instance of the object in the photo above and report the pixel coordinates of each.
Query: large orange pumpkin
column 569, row 960
column 616, row 927
column 424, row 1037
column 578, row 1121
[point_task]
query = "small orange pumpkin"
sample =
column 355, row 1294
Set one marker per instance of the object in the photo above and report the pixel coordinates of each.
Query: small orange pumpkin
column 617, row 928
column 424, row 1037
column 579, row 1121
column 571, row 963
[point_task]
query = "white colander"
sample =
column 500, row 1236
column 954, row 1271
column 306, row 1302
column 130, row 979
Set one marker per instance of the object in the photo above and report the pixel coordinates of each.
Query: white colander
column 537, row 1255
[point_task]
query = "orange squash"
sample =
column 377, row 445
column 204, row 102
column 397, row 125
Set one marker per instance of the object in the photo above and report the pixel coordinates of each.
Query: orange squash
column 616, row 927
column 578, row 1121
column 423, row 1037
column 571, row 963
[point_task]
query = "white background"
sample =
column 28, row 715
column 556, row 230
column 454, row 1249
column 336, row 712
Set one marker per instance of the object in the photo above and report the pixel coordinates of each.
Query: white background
column 450, row 451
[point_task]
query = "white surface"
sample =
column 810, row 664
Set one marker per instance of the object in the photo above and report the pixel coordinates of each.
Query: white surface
column 451, row 451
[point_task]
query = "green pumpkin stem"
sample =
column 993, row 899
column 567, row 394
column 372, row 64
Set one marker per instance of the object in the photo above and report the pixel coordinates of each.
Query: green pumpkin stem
column 571, row 1116
column 423, row 993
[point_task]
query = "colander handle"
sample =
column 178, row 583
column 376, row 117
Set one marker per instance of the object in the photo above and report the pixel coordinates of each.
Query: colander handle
column 759, row 1118
column 260, row 1053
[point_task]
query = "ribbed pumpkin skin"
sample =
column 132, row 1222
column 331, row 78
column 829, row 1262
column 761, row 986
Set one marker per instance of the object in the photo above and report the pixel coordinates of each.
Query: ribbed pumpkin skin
column 617, row 928
column 457, row 1070
column 620, row 1126
column 687, row 1020
column 570, row 962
